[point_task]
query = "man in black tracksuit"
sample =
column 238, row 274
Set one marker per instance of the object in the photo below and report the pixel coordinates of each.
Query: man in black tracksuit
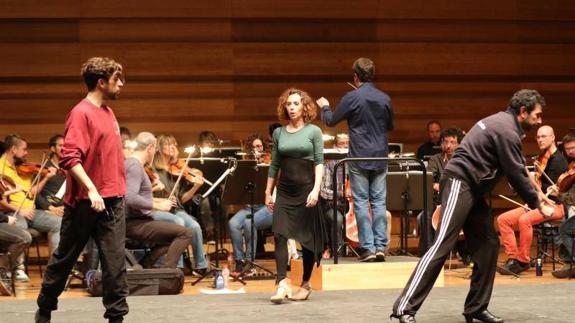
column 491, row 149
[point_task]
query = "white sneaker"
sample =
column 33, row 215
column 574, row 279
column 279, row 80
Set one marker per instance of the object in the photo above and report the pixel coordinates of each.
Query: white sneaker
column 21, row 276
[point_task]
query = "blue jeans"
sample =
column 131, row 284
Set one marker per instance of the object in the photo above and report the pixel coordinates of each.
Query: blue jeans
column 43, row 222
column 369, row 186
column 240, row 229
column 184, row 219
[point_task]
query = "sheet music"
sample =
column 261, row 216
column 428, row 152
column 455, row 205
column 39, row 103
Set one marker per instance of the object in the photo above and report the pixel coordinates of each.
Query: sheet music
column 61, row 191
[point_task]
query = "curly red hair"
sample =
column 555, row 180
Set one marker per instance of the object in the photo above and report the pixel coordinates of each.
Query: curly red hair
column 309, row 106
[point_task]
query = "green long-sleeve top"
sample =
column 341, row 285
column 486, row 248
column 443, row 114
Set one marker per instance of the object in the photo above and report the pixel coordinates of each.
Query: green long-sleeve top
column 306, row 143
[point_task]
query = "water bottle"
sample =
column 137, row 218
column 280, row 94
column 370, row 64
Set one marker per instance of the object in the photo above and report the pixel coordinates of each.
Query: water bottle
column 219, row 280
column 226, row 276
column 539, row 267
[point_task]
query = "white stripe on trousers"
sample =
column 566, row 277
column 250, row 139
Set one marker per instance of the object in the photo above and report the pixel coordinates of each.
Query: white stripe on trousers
column 422, row 267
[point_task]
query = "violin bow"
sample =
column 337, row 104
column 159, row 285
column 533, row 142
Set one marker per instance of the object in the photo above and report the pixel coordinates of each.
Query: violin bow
column 536, row 163
column 180, row 176
column 514, row 202
column 353, row 86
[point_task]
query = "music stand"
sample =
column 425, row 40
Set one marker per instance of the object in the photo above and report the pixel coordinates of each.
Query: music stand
column 407, row 196
column 247, row 186
column 209, row 165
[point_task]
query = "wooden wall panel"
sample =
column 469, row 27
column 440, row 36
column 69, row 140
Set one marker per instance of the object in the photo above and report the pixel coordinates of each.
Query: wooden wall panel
column 221, row 64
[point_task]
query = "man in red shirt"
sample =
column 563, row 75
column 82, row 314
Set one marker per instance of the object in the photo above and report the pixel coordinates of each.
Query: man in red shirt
column 95, row 189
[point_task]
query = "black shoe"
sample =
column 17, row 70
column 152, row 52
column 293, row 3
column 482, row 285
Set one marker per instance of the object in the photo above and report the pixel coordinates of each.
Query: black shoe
column 367, row 256
column 380, row 255
column 118, row 319
column 42, row 317
column 406, row 318
column 522, row 266
column 564, row 272
column 484, row 316
column 511, row 267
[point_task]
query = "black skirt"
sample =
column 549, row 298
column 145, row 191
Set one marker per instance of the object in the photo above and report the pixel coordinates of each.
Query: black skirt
column 292, row 219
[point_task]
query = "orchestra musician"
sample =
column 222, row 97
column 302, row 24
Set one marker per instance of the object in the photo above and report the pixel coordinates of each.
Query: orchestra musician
column 50, row 198
column 567, row 196
column 449, row 140
column 239, row 224
column 21, row 204
column 549, row 166
column 491, row 148
column 167, row 238
column 168, row 168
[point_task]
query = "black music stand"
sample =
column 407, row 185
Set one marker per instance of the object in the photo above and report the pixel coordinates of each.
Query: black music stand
column 247, row 186
column 404, row 193
column 209, row 164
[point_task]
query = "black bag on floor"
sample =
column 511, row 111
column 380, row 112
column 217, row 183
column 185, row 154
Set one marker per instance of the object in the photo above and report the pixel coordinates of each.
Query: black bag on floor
column 153, row 281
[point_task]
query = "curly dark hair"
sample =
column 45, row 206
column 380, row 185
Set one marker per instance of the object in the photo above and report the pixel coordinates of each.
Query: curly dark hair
column 452, row 132
column 97, row 68
column 526, row 98
column 309, row 106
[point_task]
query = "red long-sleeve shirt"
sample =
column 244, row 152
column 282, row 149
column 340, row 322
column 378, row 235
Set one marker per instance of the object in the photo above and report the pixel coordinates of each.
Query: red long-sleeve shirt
column 92, row 139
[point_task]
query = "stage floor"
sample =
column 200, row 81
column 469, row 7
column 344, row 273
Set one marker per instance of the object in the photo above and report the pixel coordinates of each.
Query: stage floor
column 551, row 302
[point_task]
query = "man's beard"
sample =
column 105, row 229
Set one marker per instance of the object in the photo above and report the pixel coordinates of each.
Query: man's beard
column 526, row 125
column 111, row 95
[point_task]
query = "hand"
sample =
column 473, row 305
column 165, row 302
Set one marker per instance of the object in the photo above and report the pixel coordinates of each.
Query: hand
column 165, row 205
column 269, row 202
column 28, row 214
column 312, row 198
column 322, row 102
column 198, row 181
column 11, row 220
column 96, row 200
column 553, row 190
column 56, row 210
column 158, row 186
column 546, row 209
column 436, row 187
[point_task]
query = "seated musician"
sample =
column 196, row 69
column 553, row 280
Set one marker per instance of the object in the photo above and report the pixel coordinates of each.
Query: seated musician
column 567, row 196
column 50, row 198
column 429, row 148
column 167, row 156
column 13, row 239
column 449, row 140
column 22, row 203
column 240, row 224
column 549, row 166
column 341, row 141
column 166, row 238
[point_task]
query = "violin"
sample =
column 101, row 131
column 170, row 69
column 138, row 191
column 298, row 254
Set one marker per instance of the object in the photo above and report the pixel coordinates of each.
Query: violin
column 151, row 174
column 192, row 175
column 27, row 170
column 566, row 180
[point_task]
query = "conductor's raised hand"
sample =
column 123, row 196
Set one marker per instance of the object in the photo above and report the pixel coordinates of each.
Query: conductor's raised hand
column 322, row 102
